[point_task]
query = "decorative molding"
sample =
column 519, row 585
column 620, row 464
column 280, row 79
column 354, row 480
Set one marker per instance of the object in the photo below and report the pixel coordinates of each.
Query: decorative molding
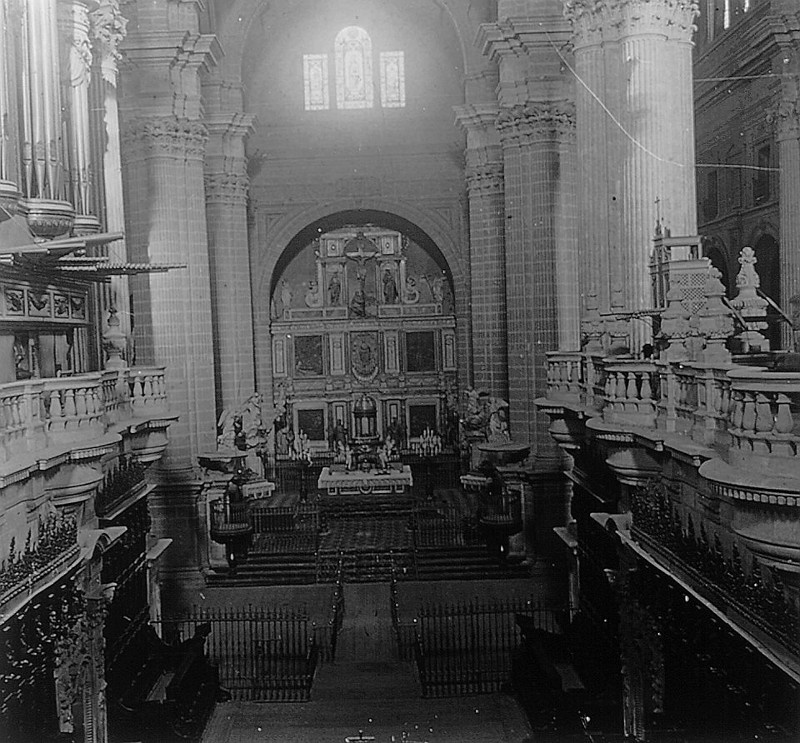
column 228, row 188
column 163, row 136
column 108, row 27
column 591, row 18
column 535, row 122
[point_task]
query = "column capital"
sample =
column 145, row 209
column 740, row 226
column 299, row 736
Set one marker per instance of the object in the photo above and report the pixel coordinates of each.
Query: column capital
column 108, row 27
column 227, row 187
column 536, row 121
column 671, row 18
column 163, row 136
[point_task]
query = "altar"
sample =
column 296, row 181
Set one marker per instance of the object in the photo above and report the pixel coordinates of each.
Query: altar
column 394, row 480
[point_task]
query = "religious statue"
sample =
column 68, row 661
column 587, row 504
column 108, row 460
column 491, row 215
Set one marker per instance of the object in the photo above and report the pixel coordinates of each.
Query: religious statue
column 358, row 303
column 389, row 287
column 313, row 296
column 396, row 433
column 334, row 290
column 411, row 291
column 338, row 439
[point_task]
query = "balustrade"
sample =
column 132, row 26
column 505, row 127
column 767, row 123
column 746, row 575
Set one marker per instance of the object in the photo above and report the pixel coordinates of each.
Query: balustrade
column 754, row 410
column 564, row 376
column 764, row 418
column 630, row 393
column 35, row 414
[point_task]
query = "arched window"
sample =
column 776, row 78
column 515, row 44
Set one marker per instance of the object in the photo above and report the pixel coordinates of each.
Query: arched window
column 355, row 81
column 354, row 86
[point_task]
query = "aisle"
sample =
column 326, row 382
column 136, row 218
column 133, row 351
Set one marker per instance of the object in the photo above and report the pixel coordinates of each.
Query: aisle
column 368, row 689
column 366, row 634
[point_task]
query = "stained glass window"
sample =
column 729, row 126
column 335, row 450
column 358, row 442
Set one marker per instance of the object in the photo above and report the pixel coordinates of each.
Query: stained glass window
column 315, row 79
column 354, row 87
column 393, row 80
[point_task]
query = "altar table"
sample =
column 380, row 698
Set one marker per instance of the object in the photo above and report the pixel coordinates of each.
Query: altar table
column 338, row 481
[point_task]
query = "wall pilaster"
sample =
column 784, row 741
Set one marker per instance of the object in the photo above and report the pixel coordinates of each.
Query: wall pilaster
column 226, row 185
column 164, row 139
column 165, row 210
column 540, row 249
column 486, row 195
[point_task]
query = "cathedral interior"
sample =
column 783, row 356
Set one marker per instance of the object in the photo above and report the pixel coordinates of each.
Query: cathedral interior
column 399, row 371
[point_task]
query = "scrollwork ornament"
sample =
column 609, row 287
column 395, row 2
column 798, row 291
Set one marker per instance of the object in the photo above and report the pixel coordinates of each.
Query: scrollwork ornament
column 108, row 31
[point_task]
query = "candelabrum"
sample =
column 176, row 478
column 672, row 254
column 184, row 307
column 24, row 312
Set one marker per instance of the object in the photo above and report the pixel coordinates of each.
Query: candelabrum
column 427, row 448
column 301, row 453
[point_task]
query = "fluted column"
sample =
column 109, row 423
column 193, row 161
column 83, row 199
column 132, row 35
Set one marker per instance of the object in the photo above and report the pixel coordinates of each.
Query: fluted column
column 598, row 148
column 9, row 152
column 539, row 189
column 658, row 171
column 107, row 31
column 76, row 63
column 486, row 194
column 787, row 117
column 226, row 215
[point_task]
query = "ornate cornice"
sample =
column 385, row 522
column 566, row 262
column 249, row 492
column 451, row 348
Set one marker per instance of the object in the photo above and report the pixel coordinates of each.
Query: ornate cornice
column 166, row 136
column 228, row 188
column 592, row 19
column 551, row 120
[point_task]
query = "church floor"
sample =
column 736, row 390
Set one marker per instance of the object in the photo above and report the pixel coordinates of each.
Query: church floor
column 367, row 691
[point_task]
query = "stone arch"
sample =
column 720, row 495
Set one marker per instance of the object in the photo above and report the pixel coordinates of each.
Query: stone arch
column 438, row 230
column 265, row 261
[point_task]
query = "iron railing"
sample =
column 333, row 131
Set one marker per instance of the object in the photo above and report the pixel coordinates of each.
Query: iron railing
column 262, row 654
column 466, row 648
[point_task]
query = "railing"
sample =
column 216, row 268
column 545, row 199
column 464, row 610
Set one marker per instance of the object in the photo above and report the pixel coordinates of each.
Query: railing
column 405, row 632
column 39, row 413
column 326, row 637
column 466, row 648
column 262, row 654
column 44, row 555
column 630, row 393
column 752, row 411
column 764, row 418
